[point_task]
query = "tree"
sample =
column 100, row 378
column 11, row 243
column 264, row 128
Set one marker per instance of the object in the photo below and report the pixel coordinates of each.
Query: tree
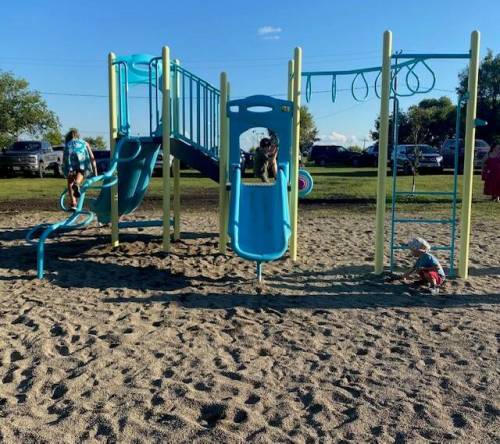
column 308, row 130
column 97, row 143
column 54, row 137
column 431, row 121
column 488, row 94
column 22, row 112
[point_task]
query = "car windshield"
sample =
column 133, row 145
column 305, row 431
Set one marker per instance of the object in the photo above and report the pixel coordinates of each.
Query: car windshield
column 25, row 146
column 426, row 149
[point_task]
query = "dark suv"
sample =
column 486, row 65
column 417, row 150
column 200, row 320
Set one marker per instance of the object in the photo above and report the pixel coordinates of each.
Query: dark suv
column 481, row 149
column 329, row 154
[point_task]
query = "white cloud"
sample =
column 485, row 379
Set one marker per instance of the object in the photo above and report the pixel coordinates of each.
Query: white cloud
column 269, row 32
column 335, row 138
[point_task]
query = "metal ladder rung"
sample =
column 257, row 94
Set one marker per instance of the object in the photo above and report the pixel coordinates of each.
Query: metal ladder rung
column 438, row 248
column 424, row 221
column 424, row 193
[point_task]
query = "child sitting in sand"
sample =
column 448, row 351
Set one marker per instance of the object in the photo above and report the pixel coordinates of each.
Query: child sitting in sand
column 427, row 266
column 77, row 160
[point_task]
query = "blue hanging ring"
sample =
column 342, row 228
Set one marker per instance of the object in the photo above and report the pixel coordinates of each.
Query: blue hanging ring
column 407, row 79
column 366, row 87
column 433, row 75
column 375, row 84
column 334, row 88
column 308, row 89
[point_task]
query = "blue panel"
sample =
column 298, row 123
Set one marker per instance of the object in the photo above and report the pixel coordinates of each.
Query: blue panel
column 259, row 220
column 133, row 180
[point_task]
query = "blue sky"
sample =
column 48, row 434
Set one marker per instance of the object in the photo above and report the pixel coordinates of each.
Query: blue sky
column 61, row 47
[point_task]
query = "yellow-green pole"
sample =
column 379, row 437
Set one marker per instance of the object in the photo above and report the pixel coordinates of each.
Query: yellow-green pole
column 468, row 175
column 294, row 173
column 113, row 134
column 223, row 161
column 176, row 167
column 166, row 146
column 383, row 141
column 290, row 97
column 290, row 80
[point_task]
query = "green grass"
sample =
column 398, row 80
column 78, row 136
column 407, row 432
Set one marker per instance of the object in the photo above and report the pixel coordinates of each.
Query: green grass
column 332, row 185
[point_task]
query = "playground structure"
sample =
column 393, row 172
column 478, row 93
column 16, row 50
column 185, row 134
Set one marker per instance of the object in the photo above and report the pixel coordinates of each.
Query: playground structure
column 388, row 73
column 185, row 122
column 193, row 121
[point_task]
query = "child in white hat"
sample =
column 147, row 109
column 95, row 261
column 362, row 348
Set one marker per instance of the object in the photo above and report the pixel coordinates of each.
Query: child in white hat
column 427, row 266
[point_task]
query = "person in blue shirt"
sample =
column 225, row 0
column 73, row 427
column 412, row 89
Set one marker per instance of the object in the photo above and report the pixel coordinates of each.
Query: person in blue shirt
column 78, row 161
column 427, row 266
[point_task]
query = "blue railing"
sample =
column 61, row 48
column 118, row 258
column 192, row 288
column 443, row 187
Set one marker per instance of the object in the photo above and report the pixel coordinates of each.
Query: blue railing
column 194, row 102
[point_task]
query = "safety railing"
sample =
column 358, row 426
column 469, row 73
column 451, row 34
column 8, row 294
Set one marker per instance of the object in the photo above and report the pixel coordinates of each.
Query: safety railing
column 195, row 111
column 194, row 105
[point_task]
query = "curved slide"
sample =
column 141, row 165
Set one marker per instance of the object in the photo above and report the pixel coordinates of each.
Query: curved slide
column 134, row 158
column 134, row 177
column 259, row 220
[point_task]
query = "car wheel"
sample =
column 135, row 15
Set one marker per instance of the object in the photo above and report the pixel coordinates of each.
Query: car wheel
column 322, row 162
column 355, row 162
column 407, row 170
column 58, row 171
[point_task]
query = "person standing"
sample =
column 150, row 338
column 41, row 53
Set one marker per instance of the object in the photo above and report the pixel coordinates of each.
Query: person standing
column 491, row 172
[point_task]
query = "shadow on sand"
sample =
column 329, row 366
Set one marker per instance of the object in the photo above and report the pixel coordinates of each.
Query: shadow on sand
column 69, row 264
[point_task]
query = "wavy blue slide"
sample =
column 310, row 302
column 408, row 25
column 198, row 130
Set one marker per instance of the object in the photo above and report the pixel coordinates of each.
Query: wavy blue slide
column 134, row 174
column 134, row 158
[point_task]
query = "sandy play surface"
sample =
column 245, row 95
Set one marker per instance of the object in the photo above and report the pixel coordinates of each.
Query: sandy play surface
column 134, row 346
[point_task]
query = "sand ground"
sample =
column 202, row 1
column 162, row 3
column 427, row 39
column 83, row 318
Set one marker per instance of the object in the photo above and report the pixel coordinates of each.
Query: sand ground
column 132, row 345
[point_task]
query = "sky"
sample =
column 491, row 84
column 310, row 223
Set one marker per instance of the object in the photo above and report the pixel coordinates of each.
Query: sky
column 61, row 47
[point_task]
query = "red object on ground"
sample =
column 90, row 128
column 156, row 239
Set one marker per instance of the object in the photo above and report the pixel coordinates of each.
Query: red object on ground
column 431, row 276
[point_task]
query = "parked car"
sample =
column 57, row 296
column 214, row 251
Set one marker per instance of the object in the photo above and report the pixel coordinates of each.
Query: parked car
column 368, row 157
column 421, row 157
column 481, row 149
column 30, row 156
column 102, row 160
column 330, row 154
column 246, row 160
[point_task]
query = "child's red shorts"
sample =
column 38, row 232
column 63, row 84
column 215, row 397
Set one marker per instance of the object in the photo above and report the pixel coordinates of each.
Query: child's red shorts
column 431, row 276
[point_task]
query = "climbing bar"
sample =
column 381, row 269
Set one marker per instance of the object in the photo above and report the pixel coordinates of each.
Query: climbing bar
column 424, row 193
column 424, row 221
column 429, row 56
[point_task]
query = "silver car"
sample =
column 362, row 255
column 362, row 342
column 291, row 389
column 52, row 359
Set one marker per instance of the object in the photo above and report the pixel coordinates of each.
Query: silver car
column 421, row 157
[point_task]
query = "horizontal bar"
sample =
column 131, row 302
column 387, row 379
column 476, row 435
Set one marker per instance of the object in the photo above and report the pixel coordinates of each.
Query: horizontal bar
column 424, row 193
column 437, row 248
column 431, row 56
column 142, row 223
column 425, row 221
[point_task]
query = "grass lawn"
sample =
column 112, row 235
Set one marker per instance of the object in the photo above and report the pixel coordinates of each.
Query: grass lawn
column 331, row 185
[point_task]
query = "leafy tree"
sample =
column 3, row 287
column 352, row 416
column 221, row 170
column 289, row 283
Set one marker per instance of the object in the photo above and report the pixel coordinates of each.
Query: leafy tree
column 431, row 121
column 96, row 142
column 54, row 137
column 488, row 106
column 404, row 129
column 356, row 148
column 22, row 111
column 308, row 130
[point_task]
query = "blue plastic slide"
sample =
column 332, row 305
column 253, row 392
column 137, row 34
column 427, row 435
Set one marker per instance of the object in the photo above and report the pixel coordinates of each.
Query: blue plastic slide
column 259, row 224
column 259, row 219
column 134, row 158
column 134, row 177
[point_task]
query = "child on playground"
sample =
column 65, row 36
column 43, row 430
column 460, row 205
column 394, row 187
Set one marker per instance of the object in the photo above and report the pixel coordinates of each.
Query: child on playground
column 491, row 172
column 78, row 161
column 427, row 266
column 265, row 160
